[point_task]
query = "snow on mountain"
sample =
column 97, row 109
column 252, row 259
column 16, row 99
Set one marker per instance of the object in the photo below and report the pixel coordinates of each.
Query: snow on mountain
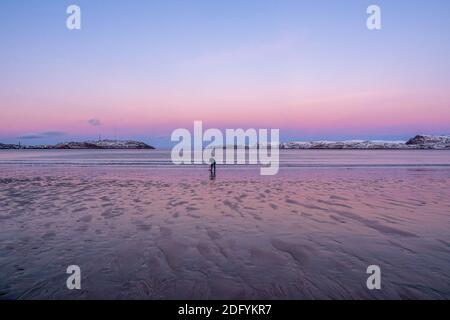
column 418, row 142
column 100, row 144
column 104, row 144
column 430, row 142
column 9, row 146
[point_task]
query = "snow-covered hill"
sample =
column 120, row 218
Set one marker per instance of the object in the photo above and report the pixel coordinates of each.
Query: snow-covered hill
column 418, row 142
column 104, row 144
column 100, row 144
column 430, row 142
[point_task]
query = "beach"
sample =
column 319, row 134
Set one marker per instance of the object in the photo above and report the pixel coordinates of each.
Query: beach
column 141, row 228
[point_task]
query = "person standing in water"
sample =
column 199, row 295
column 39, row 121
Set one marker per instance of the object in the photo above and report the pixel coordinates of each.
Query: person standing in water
column 212, row 166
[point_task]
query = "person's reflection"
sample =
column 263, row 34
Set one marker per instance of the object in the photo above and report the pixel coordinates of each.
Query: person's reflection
column 212, row 175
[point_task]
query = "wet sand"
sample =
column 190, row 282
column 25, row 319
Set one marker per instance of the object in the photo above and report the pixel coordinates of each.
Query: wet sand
column 140, row 233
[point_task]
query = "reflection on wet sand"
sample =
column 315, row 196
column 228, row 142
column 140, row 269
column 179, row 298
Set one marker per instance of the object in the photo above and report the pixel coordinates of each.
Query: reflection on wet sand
column 176, row 234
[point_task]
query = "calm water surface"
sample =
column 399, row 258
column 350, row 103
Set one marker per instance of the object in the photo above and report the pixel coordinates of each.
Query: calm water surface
column 288, row 158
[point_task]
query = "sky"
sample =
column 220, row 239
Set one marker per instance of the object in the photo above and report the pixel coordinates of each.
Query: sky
column 139, row 69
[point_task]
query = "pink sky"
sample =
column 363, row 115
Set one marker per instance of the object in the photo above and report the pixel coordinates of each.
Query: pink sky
column 164, row 65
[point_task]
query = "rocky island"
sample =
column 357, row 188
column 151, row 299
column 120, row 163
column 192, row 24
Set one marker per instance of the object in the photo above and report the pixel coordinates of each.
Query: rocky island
column 99, row 144
column 418, row 142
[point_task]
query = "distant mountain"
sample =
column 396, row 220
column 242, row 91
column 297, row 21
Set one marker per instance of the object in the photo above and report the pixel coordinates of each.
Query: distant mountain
column 104, row 144
column 418, row 142
column 9, row 146
column 100, row 144
column 430, row 142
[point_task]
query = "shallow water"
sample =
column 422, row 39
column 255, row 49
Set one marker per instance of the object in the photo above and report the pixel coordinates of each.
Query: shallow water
column 145, row 232
column 288, row 158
